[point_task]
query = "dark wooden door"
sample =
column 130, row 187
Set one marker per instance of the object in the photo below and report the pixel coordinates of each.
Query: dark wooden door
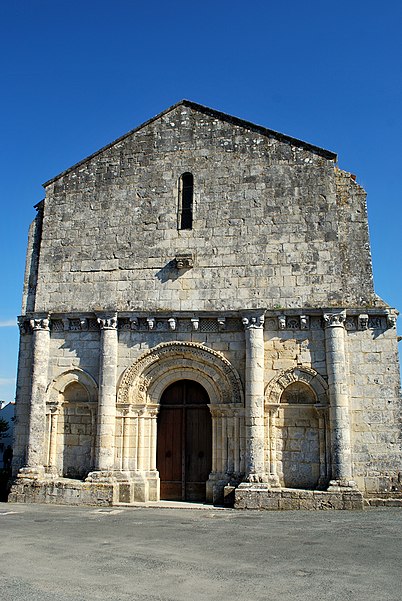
column 184, row 448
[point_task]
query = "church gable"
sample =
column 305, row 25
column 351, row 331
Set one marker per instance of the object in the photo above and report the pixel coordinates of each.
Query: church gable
column 261, row 219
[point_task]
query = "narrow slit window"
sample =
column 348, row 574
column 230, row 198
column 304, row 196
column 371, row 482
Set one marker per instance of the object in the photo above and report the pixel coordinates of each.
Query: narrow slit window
column 186, row 191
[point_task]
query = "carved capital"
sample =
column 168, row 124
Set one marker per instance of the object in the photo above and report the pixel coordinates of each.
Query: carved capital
column 335, row 320
column 253, row 322
column 107, row 323
column 40, row 324
column 172, row 323
column 195, row 323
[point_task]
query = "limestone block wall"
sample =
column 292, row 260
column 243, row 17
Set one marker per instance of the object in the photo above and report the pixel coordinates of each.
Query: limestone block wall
column 71, row 349
column 270, row 224
column 376, row 407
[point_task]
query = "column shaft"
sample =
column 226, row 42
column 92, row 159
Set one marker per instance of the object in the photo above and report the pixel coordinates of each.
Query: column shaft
column 37, row 416
column 339, row 397
column 254, row 388
column 107, row 395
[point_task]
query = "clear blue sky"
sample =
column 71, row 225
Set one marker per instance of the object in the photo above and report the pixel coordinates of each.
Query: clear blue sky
column 76, row 75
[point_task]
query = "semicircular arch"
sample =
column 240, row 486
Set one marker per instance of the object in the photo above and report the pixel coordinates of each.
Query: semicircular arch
column 146, row 379
column 76, row 375
column 305, row 375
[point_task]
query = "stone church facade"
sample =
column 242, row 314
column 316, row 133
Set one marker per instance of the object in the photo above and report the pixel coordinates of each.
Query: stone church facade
column 199, row 322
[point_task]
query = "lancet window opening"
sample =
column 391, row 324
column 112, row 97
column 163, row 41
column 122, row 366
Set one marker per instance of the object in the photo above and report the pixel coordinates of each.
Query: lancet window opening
column 185, row 208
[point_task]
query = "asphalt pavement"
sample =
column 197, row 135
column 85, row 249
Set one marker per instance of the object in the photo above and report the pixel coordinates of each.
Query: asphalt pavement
column 55, row 553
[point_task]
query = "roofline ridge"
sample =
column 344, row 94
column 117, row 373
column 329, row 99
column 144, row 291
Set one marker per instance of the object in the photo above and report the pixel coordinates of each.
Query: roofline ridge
column 213, row 113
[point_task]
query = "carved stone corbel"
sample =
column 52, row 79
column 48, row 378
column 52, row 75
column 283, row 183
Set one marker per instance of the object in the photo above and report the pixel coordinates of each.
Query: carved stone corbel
column 133, row 323
column 391, row 320
column 282, row 322
column 184, row 261
column 221, row 323
column 304, row 322
column 151, row 321
column 363, row 321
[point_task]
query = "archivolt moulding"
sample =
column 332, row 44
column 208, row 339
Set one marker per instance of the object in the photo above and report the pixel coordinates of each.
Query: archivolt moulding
column 307, row 375
column 60, row 383
column 147, row 378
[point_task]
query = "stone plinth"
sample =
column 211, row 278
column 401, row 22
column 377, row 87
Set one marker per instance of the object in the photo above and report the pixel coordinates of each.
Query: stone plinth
column 256, row 497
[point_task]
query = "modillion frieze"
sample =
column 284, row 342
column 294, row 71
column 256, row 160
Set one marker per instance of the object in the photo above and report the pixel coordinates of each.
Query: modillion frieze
column 221, row 323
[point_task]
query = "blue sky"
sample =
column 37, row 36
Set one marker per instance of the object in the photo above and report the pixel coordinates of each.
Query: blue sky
column 76, row 75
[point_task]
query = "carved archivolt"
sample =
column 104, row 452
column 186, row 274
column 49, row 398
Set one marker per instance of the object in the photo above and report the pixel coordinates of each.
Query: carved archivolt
column 60, row 383
column 147, row 378
column 277, row 385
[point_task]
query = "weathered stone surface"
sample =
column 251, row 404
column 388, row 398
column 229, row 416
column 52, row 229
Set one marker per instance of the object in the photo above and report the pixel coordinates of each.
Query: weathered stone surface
column 266, row 300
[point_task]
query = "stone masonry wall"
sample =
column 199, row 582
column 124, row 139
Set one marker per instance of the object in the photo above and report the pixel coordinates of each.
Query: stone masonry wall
column 265, row 229
column 375, row 408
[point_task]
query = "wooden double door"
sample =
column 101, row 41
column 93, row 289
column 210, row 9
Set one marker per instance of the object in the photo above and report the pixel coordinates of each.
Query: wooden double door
column 184, row 444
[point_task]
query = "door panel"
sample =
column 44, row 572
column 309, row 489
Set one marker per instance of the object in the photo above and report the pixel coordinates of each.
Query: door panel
column 198, row 451
column 170, row 452
column 184, row 446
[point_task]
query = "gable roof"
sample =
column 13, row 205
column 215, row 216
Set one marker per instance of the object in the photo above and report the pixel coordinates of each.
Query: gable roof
column 327, row 154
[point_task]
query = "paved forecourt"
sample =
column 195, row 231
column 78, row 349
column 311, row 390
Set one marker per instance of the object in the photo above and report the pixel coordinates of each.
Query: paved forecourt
column 181, row 554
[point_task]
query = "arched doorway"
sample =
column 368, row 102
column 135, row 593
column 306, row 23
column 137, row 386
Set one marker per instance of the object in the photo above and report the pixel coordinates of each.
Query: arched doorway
column 184, row 441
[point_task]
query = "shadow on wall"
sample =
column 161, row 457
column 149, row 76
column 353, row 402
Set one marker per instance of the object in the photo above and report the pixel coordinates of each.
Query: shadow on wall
column 174, row 269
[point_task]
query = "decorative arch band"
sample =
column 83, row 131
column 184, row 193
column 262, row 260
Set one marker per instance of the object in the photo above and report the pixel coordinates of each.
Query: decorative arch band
column 144, row 382
column 306, row 375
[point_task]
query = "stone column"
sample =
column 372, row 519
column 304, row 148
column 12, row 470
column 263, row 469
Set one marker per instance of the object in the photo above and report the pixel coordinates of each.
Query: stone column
column 339, row 399
column 53, row 429
column 104, row 460
column 321, row 411
column 254, row 388
column 272, row 430
column 37, row 411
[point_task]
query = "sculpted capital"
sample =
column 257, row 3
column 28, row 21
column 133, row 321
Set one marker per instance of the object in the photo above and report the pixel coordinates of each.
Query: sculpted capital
column 253, row 322
column 335, row 320
column 40, row 324
column 107, row 323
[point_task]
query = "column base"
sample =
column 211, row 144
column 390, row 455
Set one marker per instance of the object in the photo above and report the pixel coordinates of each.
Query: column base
column 217, row 483
column 342, row 484
column 32, row 473
column 256, row 478
column 101, row 476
